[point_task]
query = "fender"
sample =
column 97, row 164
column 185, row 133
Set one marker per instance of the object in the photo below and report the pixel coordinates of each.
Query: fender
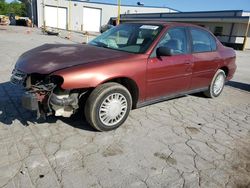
column 92, row 75
column 229, row 61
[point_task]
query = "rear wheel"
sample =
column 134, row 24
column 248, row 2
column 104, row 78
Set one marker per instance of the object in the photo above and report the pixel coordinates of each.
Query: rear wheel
column 217, row 84
column 108, row 106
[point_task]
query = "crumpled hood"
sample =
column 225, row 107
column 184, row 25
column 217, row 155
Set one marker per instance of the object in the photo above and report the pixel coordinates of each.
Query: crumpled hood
column 49, row 58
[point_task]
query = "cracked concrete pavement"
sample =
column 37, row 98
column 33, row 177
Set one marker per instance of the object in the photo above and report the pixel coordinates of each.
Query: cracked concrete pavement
column 190, row 141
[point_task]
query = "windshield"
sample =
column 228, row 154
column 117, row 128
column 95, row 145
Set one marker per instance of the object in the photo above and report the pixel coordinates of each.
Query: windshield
column 133, row 38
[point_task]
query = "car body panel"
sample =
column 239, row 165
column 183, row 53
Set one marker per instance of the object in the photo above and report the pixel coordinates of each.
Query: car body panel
column 90, row 76
column 228, row 56
column 86, row 66
column 168, row 75
column 52, row 57
column 204, row 67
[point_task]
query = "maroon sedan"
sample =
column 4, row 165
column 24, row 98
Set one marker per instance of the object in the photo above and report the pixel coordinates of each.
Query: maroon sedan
column 127, row 67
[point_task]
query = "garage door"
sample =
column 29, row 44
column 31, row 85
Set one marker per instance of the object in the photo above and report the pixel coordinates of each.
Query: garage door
column 91, row 19
column 56, row 17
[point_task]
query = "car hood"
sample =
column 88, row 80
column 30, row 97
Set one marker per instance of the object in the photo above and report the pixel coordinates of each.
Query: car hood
column 52, row 57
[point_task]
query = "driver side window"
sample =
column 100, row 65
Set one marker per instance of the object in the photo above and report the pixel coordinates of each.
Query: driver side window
column 176, row 40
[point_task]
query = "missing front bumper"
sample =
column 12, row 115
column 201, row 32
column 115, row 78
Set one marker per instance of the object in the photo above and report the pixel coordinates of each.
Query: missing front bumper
column 30, row 102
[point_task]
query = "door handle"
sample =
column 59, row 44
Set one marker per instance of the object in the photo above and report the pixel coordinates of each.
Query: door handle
column 189, row 67
column 188, row 62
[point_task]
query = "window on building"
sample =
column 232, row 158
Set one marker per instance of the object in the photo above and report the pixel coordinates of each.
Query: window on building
column 202, row 41
column 218, row 31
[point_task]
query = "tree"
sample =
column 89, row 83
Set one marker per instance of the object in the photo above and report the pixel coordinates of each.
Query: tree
column 3, row 7
column 15, row 7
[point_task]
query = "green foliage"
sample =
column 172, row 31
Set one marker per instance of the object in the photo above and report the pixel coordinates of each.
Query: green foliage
column 15, row 7
column 3, row 7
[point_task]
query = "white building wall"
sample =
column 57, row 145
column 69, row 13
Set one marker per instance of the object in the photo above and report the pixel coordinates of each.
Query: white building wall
column 242, row 28
column 211, row 26
column 248, row 40
column 245, row 13
column 238, row 30
column 76, row 11
column 210, row 20
column 39, row 13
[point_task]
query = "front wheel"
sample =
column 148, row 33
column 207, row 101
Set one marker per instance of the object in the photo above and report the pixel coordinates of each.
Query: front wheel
column 108, row 106
column 217, row 84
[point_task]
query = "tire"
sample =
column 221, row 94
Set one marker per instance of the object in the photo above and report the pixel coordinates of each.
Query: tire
column 216, row 87
column 109, row 101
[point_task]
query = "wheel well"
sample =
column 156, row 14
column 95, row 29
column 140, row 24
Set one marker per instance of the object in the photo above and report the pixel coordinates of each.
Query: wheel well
column 225, row 69
column 131, row 87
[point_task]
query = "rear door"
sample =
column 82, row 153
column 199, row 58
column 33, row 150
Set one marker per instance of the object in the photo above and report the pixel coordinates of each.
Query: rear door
column 170, row 75
column 205, row 58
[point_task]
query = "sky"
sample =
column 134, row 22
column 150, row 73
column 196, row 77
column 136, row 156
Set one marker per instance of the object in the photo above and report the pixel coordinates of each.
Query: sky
column 190, row 5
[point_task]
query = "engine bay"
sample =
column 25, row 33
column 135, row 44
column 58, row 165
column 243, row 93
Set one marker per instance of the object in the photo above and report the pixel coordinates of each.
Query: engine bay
column 44, row 95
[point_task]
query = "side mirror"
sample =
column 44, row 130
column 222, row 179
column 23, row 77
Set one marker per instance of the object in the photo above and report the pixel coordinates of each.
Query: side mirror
column 163, row 51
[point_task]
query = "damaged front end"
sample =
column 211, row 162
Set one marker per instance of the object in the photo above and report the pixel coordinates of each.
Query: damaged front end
column 44, row 94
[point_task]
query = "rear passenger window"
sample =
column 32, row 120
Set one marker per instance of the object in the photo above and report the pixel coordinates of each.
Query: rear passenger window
column 202, row 41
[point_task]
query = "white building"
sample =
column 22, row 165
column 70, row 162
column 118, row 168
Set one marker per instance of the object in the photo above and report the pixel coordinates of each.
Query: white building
column 80, row 15
column 231, row 27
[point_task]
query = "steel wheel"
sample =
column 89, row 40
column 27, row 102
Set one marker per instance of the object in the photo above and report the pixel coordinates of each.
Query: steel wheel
column 108, row 106
column 113, row 109
column 218, row 84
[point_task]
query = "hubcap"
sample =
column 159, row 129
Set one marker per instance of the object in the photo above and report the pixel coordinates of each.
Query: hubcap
column 113, row 109
column 218, row 84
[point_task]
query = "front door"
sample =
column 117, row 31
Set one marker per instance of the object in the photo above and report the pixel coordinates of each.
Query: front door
column 170, row 75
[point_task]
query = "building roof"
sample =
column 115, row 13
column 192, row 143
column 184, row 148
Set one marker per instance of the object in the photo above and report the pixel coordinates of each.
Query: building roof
column 161, row 22
column 202, row 19
column 127, row 5
column 198, row 13
column 232, row 16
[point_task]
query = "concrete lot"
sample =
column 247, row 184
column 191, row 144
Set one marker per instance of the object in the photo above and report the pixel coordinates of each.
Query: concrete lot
column 186, row 142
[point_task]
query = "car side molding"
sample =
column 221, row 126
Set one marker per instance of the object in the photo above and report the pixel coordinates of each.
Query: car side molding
column 168, row 97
